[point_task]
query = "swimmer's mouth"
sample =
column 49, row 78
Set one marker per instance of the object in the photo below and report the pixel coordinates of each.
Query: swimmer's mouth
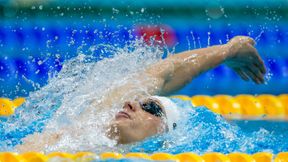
column 123, row 114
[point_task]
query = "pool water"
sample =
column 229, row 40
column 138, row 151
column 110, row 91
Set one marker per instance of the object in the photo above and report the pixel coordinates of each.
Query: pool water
column 84, row 80
column 202, row 131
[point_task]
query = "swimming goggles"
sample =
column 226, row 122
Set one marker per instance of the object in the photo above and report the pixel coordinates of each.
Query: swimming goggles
column 152, row 107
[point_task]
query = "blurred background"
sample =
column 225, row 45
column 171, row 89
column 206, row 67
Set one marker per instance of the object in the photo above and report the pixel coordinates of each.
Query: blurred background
column 36, row 37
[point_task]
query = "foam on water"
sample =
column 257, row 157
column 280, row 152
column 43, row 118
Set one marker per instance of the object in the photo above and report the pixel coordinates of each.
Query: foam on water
column 72, row 104
column 77, row 89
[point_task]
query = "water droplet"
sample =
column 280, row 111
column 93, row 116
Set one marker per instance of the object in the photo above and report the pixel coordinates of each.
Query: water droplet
column 40, row 62
column 208, row 41
column 37, row 71
column 115, row 11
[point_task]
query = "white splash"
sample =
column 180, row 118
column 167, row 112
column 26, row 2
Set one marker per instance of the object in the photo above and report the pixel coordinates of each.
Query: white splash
column 79, row 88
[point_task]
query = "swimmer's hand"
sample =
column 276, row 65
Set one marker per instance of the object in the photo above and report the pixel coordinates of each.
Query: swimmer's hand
column 244, row 59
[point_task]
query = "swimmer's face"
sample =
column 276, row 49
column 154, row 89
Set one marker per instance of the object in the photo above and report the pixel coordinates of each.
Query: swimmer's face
column 138, row 119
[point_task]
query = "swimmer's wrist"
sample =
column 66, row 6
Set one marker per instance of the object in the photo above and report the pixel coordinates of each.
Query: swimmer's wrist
column 228, row 51
column 237, row 44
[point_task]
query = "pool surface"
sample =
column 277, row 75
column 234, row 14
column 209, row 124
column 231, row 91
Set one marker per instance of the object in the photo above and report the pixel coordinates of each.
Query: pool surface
column 64, row 56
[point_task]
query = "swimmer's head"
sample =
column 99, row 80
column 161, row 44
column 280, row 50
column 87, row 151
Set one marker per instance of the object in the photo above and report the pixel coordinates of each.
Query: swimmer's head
column 171, row 111
column 143, row 118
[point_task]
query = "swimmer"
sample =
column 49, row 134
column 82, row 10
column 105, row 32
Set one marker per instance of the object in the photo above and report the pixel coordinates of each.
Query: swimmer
column 150, row 115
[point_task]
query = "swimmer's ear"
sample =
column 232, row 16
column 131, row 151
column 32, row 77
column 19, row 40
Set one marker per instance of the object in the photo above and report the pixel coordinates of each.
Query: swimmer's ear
column 174, row 126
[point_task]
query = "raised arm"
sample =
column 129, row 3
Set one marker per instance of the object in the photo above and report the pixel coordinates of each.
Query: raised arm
column 239, row 54
column 173, row 73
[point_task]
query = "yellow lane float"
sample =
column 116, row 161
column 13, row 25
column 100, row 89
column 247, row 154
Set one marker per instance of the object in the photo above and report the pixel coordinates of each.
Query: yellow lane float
column 7, row 106
column 111, row 155
column 10, row 157
column 138, row 155
column 239, row 106
column 84, row 156
column 163, row 156
column 262, row 157
column 34, row 157
column 160, row 156
column 272, row 105
column 61, row 155
column 250, row 105
column 215, row 156
column 202, row 100
column 236, row 157
column 228, row 105
column 284, row 100
column 189, row 157
column 281, row 157
column 243, row 106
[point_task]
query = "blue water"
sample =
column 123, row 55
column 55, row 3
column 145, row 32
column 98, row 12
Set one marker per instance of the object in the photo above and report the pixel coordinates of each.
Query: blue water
column 199, row 131
column 84, row 80
column 271, row 46
column 202, row 131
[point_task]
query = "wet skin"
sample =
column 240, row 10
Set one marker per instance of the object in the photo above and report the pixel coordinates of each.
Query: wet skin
column 134, row 124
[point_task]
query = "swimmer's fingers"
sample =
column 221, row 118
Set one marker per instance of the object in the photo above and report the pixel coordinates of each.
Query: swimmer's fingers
column 257, row 60
column 242, row 74
column 251, row 75
column 246, row 62
column 248, row 69
column 256, row 73
column 250, row 72
column 260, row 64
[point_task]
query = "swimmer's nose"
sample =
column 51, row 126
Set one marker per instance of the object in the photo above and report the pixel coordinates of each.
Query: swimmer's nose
column 129, row 105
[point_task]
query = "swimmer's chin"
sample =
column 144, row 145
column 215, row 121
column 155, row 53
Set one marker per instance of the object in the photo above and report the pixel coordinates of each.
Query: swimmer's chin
column 117, row 130
column 113, row 133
